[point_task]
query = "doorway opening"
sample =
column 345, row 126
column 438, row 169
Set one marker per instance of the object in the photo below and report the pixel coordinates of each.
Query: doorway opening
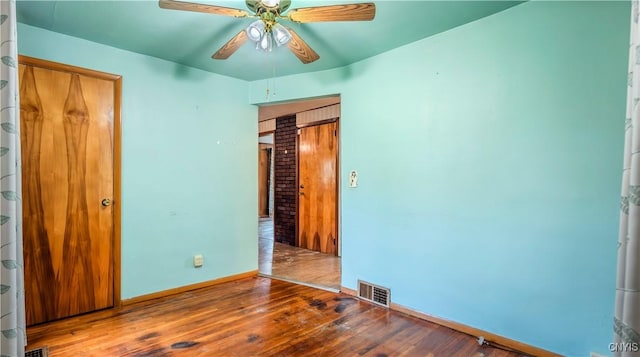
column 298, row 194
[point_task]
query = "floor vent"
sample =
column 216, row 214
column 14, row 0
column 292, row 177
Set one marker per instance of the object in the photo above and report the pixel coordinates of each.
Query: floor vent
column 374, row 293
column 38, row 352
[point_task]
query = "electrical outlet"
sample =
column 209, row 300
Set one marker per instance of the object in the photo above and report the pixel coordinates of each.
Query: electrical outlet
column 198, row 260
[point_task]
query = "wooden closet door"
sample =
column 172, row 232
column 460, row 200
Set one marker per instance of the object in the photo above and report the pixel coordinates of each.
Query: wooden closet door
column 317, row 190
column 264, row 170
column 67, row 127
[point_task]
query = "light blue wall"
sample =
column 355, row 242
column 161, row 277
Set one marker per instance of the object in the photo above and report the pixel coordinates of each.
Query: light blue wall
column 189, row 154
column 490, row 162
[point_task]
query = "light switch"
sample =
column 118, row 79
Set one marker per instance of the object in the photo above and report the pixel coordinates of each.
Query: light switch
column 198, row 260
column 353, row 178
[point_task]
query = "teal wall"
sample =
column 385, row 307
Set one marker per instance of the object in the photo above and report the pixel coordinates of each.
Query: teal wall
column 490, row 162
column 189, row 154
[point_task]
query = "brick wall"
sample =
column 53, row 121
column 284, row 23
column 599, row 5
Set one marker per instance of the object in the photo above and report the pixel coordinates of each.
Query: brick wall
column 284, row 224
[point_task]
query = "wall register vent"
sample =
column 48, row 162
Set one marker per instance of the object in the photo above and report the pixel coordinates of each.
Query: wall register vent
column 374, row 293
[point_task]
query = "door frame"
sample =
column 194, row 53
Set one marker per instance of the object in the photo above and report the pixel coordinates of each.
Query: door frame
column 337, row 191
column 271, row 174
column 117, row 153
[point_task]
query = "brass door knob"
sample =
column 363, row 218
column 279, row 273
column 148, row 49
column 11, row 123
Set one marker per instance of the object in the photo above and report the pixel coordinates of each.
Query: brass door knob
column 106, row 202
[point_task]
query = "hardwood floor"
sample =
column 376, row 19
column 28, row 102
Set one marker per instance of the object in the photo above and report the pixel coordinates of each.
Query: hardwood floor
column 306, row 266
column 254, row 317
column 265, row 245
column 296, row 264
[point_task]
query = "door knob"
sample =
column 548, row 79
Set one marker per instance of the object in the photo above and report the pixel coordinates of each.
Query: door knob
column 106, row 202
column 301, row 186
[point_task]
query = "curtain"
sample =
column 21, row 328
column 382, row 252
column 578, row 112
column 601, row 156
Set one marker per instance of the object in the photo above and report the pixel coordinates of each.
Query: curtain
column 626, row 322
column 12, row 318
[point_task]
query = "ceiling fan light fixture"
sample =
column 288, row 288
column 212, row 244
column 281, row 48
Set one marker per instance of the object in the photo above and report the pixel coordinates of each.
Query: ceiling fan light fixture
column 266, row 43
column 281, row 35
column 266, row 29
column 256, row 31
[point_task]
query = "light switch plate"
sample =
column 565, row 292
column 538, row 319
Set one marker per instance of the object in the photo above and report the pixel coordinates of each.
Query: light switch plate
column 198, row 260
column 353, row 178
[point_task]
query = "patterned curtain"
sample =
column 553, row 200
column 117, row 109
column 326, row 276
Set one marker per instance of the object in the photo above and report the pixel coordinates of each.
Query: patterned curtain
column 12, row 320
column 626, row 322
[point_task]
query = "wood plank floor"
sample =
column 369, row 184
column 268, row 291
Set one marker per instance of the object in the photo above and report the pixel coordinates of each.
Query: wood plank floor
column 296, row 264
column 253, row 317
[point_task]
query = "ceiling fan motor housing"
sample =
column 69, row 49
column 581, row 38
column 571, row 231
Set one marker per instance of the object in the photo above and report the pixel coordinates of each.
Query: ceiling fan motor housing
column 274, row 6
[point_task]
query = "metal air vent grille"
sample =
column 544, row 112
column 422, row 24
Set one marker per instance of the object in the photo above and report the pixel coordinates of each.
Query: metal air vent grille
column 374, row 293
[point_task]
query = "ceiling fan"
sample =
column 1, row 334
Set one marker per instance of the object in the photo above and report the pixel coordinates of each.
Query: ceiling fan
column 267, row 30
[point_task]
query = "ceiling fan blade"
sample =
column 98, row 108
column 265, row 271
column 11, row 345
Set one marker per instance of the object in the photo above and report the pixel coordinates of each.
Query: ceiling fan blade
column 301, row 49
column 232, row 46
column 347, row 12
column 209, row 9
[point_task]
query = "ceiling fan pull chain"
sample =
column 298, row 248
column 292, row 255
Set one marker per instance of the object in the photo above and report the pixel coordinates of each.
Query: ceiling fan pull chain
column 271, row 90
column 268, row 79
column 273, row 75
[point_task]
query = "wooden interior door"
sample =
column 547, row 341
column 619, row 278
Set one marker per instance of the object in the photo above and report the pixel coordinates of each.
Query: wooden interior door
column 317, row 188
column 264, row 171
column 67, row 138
